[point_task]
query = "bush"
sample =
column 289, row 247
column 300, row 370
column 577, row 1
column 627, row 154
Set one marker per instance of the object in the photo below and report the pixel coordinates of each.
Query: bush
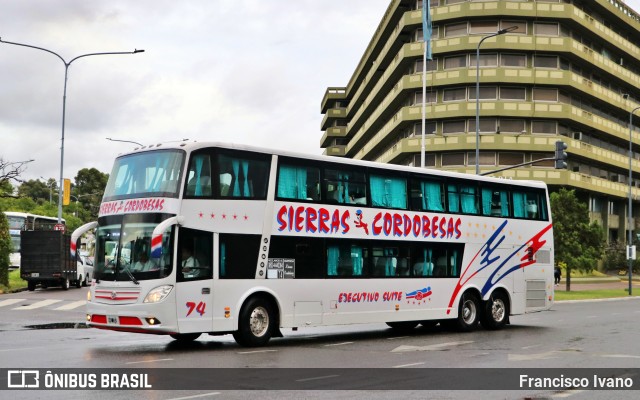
column 5, row 249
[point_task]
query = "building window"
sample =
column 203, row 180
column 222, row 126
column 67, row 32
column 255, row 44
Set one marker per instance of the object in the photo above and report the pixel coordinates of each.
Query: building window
column 455, row 94
column 521, row 26
column 431, row 97
column 455, row 62
column 486, row 158
column 513, row 93
column 543, row 126
column 546, row 29
column 485, row 93
column 456, row 126
column 486, row 60
column 513, row 60
column 452, row 159
column 546, row 163
column 476, row 27
column 432, row 65
column 429, row 128
column 545, row 61
column 487, row 125
column 512, row 126
column 452, row 30
column 510, row 158
column 544, row 94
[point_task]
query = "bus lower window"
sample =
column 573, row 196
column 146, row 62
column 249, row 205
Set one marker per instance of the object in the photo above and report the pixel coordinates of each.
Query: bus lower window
column 238, row 256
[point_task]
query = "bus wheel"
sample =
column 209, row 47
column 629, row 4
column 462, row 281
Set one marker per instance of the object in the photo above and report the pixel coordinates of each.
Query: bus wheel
column 403, row 325
column 31, row 286
column 496, row 312
column 256, row 323
column 468, row 312
column 65, row 284
column 185, row 337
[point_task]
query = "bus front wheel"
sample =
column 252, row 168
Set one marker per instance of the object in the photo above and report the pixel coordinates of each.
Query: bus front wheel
column 468, row 313
column 496, row 312
column 185, row 337
column 256, row 323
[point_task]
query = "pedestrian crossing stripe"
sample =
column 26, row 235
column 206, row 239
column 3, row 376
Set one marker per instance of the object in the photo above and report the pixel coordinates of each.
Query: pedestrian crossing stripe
column 42, row 303
column 9, row 302
column 71, row 306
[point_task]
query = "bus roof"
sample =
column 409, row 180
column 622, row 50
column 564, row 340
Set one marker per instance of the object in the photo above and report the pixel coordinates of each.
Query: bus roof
column 25, row 215
column 192, row 146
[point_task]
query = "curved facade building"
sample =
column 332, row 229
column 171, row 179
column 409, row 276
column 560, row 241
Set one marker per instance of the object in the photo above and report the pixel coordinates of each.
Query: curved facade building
column 569, row 70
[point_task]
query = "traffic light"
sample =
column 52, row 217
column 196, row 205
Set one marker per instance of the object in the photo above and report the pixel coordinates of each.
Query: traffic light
column 561, row 155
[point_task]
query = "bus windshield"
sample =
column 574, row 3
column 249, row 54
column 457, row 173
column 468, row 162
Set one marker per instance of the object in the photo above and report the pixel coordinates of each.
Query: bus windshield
column 146, row 174
column 123, row 249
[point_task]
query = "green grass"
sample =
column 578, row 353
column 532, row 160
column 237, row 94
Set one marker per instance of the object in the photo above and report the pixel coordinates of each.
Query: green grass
column 15, row 282
column 594, row 294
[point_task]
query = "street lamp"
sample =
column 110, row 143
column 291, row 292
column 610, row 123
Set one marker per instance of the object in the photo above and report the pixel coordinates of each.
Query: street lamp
column 126, row 141
column 500, row 32
column 64, row 101
column 630, row 242
column 50, row 187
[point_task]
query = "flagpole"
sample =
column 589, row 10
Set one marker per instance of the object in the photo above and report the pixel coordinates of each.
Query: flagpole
column 426, row 30
column 424, row 105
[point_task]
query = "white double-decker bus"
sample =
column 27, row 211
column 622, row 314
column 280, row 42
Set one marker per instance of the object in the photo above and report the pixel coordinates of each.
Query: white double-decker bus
column 225, row 239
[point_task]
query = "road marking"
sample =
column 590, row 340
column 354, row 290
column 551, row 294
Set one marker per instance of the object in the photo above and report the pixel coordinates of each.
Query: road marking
column 256, row 351
column 38, row 304
column 397, row 337
column 337, row 344
column 196, row 396
column 9, row 302
column 528, row 357
column 71, row 306
column 407, row 365
column 317, row 378
column 433, row 347
column 149, row 361
column 619, row 356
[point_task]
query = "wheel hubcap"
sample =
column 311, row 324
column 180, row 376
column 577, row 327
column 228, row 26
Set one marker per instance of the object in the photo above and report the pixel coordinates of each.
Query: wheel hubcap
column 259, row 321
column 469, row 312
column 498, row 310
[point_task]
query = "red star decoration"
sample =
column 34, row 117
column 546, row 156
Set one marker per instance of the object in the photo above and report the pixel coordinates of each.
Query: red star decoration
column 200, row 214
column 246, row 218
column 224, row 216
column 213, row 215
column 235, row 216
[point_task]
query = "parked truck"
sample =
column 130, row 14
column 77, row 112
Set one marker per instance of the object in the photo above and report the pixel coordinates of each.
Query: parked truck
column 47, row 260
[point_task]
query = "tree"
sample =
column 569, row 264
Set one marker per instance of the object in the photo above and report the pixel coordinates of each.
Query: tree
column 39, row 191
column 88, row 190
column 5, row 249
column 10, row 171
column 578, row 243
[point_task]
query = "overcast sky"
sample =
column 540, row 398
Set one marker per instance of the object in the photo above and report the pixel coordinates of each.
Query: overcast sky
column 242, row 71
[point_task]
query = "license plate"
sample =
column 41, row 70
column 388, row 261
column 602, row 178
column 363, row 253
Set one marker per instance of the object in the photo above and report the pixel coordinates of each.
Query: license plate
column 112, row 320
column 35, row 274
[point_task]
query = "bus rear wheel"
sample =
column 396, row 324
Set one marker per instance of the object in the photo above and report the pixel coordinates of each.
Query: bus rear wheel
column 256, row 323
column 496, row 312
column 468, row 313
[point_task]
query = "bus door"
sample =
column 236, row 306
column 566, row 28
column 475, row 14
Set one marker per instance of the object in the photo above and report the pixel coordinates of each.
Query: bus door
column 194, row 276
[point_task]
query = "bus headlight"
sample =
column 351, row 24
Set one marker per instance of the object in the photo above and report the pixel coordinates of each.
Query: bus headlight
column 158, row 294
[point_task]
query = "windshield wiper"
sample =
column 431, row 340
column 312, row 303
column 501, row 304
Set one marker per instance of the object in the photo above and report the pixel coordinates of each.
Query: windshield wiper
column 133, row 279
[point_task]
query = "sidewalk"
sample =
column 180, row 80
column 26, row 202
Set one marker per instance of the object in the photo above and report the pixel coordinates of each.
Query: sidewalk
column 602, row 283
